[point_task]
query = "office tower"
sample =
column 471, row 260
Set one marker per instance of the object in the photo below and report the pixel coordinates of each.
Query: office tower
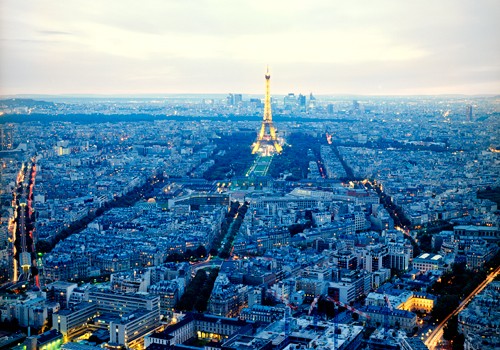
column 468, row 113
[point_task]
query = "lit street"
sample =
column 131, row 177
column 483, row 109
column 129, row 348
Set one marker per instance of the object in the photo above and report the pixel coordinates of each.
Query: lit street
column 436, row 336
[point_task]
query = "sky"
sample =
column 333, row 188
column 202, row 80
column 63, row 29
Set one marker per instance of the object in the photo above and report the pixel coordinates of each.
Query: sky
column 371, row 47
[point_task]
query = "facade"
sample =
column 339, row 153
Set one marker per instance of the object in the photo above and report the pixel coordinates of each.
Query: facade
column 489, row 233
column 380, row 315
column 169, row 292
column 399, row 256
column 60, row 292
column 262, row 313
column 123, row 303
column 49, row 340
column 133, row 327
column 227, row 299
column 131, row 282
column 374, row 258
column 194, row 325
column 311, row 287
column 409, row 301
column 346, row 259
column 30, row 312
column 351, row 286
column 70, row 321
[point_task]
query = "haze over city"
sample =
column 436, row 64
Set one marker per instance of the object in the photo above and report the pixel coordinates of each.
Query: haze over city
column 328, row 47
column 259, row 175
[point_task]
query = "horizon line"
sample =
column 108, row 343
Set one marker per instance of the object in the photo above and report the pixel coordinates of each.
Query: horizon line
column 165, row 95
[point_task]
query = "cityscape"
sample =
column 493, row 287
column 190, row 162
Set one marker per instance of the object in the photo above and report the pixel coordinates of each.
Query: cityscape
column 279, row 219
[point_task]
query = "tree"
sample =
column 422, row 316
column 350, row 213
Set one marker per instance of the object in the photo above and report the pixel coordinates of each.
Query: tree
column 43, row 246
column 458, row 342
column 450, row 331
column 444, row 306
column 201, row 251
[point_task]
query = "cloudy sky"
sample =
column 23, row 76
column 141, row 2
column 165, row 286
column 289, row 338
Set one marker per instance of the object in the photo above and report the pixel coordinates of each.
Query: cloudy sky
column 368, row 47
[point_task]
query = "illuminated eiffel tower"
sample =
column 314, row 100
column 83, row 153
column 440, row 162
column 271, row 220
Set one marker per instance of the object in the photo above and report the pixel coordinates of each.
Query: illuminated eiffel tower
column 267, row 142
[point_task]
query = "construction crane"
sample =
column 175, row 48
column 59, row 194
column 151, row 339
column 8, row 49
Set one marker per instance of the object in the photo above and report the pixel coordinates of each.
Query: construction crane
column 348, row 307
column 311, row 309
column 288, row 310
column 386, row 313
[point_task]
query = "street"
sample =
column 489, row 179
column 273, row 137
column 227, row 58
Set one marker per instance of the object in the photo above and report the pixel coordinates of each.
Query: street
column 436, row 335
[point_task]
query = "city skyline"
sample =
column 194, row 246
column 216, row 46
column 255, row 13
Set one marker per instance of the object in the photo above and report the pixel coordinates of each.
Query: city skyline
column 362, row 48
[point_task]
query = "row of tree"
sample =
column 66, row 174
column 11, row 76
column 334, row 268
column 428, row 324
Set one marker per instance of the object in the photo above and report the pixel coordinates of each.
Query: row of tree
column 198, row 291
column 233, row 231
column 126, row 200
column 188, row 255
column 226, row 223
column 233, row 156
column 300, row 149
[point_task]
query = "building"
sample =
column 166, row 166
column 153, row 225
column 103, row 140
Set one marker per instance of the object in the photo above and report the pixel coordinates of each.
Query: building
column 129, row 313
column 393, row 340
column 60, row 292
column 399, row 256
column 381, row 315
column 468, row 113
column 200, row 326
column 346, row 259
column 72, row 320
column 132, row 327
column 351, row 286
column 488, row 233
column 310, row 333
column 263, row 313
column 227, row 299
column 131, row 282
column 118, row 303
column 50, row 340
column 426, row 262
column 374, row 257
column 409, row 301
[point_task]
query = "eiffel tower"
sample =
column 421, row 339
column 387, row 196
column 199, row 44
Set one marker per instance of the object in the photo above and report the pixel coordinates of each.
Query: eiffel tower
column 267, row 143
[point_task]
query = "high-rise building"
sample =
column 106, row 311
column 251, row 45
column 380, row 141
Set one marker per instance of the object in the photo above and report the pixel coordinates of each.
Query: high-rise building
column 468, row 113
column 329, row 108
column 290, row 101
column 234, row 99
column 302, row 102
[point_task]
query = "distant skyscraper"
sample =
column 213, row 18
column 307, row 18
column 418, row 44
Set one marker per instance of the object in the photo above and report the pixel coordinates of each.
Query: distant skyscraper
column 290, row 101
column 234, row 99
column 312, row 101
column 329, row 108
column 355, row 105
column 468, row 113
column 237, row 98
column 302, row 102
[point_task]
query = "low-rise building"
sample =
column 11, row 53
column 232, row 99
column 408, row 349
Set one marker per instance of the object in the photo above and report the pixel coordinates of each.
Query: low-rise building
column 426, row 262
